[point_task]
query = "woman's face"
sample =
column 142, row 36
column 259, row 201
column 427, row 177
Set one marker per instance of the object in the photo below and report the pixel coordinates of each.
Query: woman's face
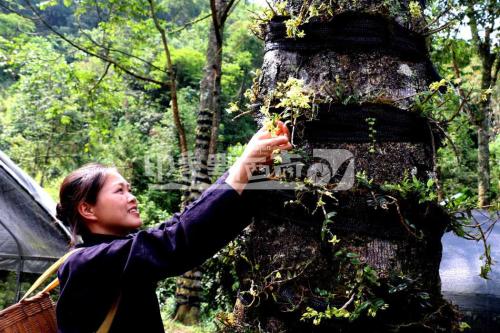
column 116, row 209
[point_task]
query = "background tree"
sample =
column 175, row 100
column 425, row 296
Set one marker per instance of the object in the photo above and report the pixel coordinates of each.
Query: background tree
column 459, row 61
column 483, row 23
column 208, row 119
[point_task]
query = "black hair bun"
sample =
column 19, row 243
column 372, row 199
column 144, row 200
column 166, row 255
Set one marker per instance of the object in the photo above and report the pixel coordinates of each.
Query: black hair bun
column 60, row 214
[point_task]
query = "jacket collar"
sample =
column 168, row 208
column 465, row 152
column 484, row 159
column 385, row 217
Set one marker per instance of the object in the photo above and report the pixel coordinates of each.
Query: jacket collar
column 91, row 239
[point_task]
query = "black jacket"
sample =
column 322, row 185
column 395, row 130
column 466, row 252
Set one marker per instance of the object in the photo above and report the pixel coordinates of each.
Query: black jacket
column 92, row 278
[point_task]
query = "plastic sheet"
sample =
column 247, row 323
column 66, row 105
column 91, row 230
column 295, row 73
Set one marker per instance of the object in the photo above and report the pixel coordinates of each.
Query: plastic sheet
column 31, row 238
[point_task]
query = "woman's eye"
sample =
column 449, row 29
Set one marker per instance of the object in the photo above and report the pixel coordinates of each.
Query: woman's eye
column 119, row 190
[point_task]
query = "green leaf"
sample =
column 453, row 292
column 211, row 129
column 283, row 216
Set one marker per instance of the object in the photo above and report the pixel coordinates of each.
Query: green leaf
column 424, row 295
column 65, row 120
column 331, row 214
column 463, row 326
column 355, row 261
column 378, row 302
column 46, row 4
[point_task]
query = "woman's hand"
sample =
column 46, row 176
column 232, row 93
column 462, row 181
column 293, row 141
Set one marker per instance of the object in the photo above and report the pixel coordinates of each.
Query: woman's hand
column 258, row 152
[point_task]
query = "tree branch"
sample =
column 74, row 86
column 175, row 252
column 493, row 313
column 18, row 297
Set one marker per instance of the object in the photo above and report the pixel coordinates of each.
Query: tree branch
column 453, row 146
column 462, row 104
column 109, row 49
column 433, row 31
column 428, row 25
column 456, row 69
column 189, row 24
column 348, row 302
column 476, row 39
column 79, row 47
column 163, row 39
column 91, row 92
column 98, row 11
column 494, row 71
column 216, row 23
column 173, row 88
column 492, row 16
column 225, row 13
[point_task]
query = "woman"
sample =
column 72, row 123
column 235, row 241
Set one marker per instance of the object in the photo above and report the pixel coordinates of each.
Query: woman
column 116, row 264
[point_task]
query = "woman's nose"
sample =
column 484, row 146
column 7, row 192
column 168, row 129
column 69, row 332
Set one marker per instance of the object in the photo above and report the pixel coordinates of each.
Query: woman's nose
column 131, row 197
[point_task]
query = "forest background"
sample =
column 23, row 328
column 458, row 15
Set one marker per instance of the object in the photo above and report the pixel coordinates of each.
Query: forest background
column 61, row 107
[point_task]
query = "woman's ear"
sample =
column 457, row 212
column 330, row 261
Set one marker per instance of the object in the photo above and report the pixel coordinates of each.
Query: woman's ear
column 86, row 211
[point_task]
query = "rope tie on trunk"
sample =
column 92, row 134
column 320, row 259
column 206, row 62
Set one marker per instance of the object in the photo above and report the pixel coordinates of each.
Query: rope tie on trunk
column 347, row 33
column 348, row 124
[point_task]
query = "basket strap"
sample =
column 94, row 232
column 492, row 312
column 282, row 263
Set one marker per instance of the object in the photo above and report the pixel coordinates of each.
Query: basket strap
column 106, row 324
column 51, row 286
column 51, row 270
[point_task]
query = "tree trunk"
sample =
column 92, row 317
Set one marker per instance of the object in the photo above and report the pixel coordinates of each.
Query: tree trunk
column 483, row 159
column 45, row 162
column 361, row 82
column 489, row 71
column 187, row 297
column 188, row 293
column 483, row 135
column 208, row 113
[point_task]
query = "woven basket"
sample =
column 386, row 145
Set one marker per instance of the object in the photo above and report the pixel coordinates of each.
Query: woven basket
column 37, row 314
column 31, row 315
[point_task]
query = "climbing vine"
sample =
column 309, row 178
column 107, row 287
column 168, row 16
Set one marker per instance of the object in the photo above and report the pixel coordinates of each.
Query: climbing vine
column 371, row 133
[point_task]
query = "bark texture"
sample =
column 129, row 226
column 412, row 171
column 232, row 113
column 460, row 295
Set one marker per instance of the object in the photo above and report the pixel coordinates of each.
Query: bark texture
column 286, row 265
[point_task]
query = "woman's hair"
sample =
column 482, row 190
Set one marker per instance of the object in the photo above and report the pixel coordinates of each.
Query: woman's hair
column 81, row 185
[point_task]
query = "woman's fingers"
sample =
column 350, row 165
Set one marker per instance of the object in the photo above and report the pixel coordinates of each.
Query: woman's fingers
column 268, row 146
column 282, row 129
column 286, row 146
column 262, row 133
column 259, row 151
column 276, row 141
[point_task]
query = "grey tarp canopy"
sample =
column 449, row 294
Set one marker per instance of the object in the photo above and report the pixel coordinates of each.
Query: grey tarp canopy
column 477, row 298
column 31, row 238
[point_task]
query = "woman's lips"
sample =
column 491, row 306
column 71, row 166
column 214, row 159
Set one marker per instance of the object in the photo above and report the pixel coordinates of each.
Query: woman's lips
column 134, row 211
